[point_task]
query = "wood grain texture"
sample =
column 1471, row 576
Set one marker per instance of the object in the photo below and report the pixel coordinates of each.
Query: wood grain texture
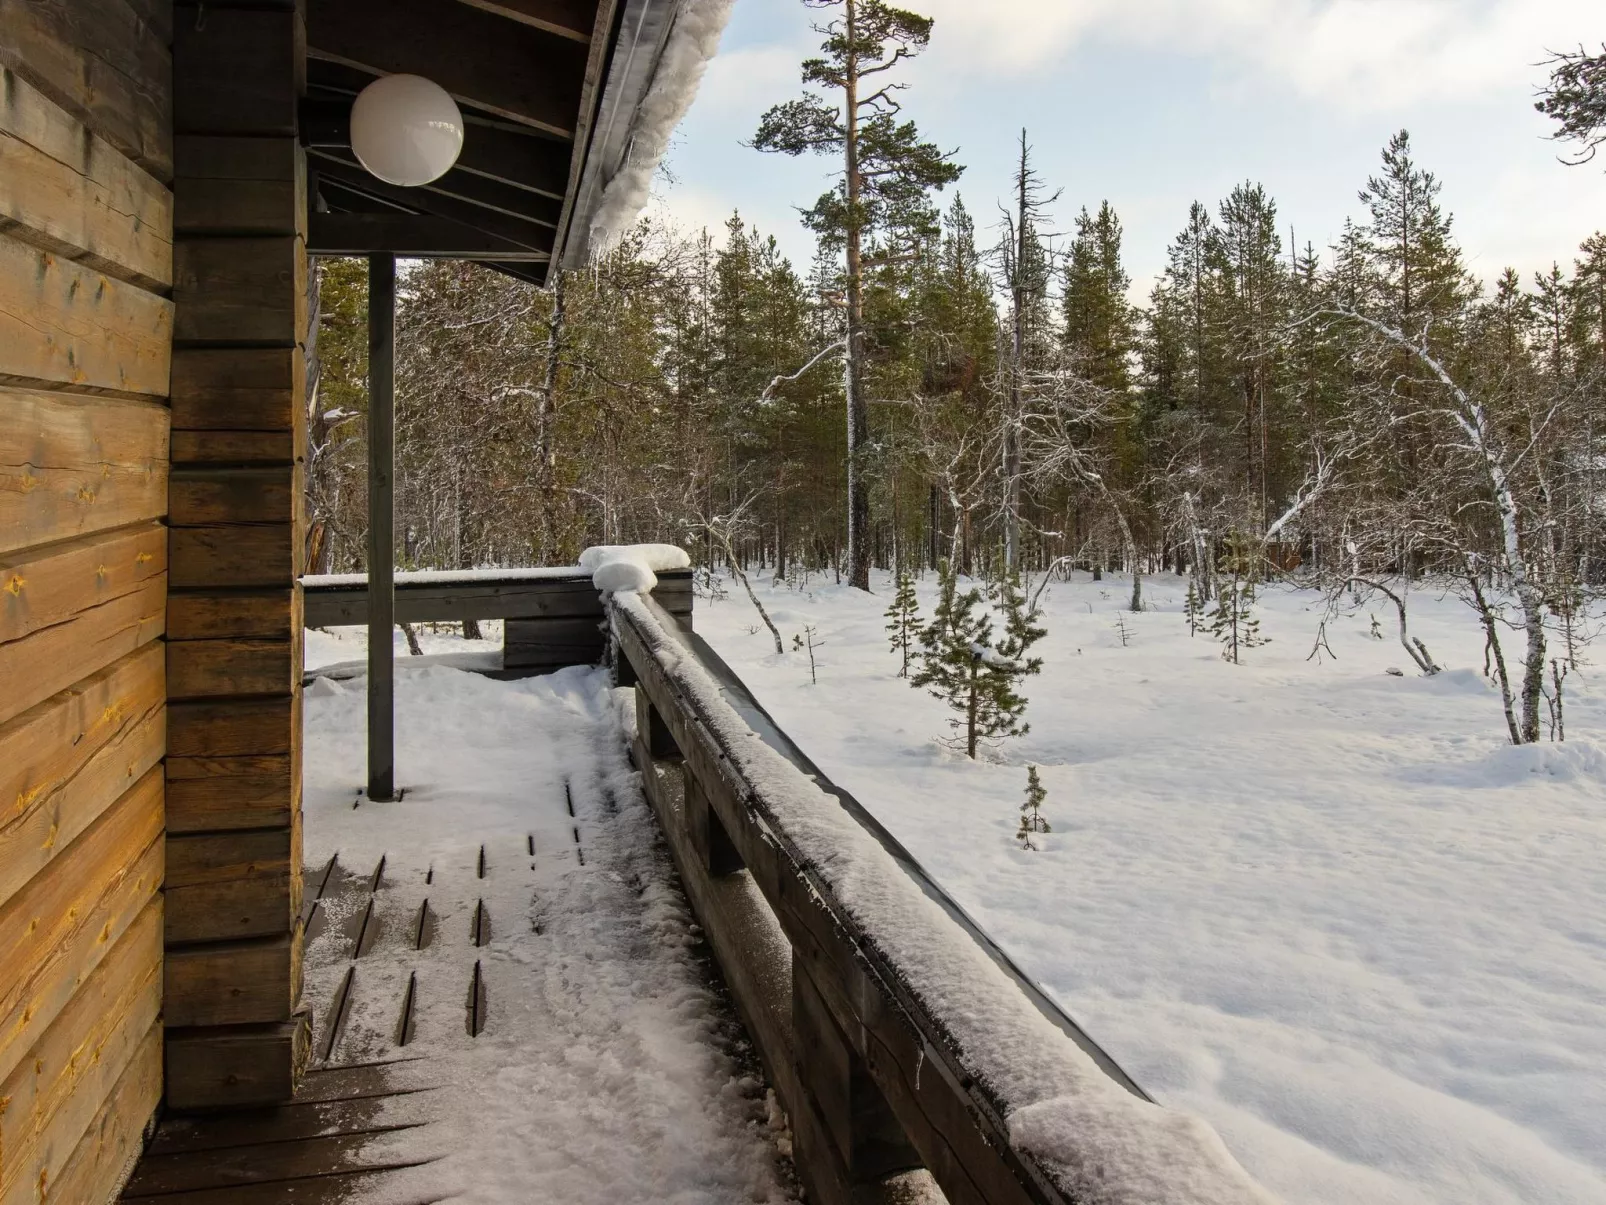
column 227, row 886
column 233, row 983
column 56, row 931
column 41, row 663
column 201, row 496
column 234, row 728
column 71, row 465
column 64, row 762
column 239, row 186
column 248, row 615
column 53, row 658
column 240, row 290
column 236, row 1065
column 104, row 61
column 238, row 388
column 198, row 669
column 95, row 1167
column 55, row 1094
column 62, row 322
column 240, row 71
column 70, row 191
column 212, row 794
column 43, row 586
column 227, row 556
column 237, row 447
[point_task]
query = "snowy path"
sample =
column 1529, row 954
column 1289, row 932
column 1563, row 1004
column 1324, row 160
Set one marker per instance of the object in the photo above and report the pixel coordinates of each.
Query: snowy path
column 607, row 1069
column 1328, row 909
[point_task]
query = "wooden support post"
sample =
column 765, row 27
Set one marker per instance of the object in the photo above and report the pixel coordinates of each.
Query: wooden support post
column 235, row 1030
column 381, row 526
column 848, row 1109
column 715, row 849
column 654, row 733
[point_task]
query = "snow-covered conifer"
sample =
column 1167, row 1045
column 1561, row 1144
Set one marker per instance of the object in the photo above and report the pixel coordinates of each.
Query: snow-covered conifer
column 974, row 672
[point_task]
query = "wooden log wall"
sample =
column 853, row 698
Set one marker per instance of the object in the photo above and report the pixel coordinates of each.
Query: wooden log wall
column 86, row 319
column 236, row 1034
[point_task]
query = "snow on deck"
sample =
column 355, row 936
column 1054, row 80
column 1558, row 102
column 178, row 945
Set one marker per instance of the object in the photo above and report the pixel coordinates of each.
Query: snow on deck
column 1326, row 908
column 608, row 1069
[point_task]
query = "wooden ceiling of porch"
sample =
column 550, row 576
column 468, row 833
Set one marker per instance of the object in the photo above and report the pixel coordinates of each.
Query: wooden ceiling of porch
column 530, row 77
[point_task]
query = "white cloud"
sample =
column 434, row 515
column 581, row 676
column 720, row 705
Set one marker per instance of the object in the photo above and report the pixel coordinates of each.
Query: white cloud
column 1358, row 54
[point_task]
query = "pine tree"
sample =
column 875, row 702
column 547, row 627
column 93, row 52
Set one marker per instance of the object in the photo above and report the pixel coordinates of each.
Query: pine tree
column 1021, row 628
column 903, row 620
column 887, row 175
column 1233, row 621
column 1031, row 816
column 1193, row 607
column 963, row 665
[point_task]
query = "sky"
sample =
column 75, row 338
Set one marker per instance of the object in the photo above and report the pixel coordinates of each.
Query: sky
column 1153, row 104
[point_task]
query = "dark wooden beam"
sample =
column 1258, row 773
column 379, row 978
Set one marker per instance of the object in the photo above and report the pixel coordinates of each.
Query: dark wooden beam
column 509, row 68
column 352, row 178
column 566, row 18
column 490, row 194
column 414, row 236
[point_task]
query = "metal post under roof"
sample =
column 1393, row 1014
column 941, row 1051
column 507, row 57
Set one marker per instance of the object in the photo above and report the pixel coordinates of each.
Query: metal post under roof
column 381, row 526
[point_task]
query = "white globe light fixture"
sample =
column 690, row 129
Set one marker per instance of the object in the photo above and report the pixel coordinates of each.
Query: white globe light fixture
column 406, row 130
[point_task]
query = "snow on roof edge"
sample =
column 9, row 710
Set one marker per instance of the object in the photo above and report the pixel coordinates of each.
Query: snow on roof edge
column 692, row 42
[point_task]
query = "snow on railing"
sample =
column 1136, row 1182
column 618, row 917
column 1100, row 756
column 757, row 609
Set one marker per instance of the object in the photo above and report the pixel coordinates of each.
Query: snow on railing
column 1078, row 1134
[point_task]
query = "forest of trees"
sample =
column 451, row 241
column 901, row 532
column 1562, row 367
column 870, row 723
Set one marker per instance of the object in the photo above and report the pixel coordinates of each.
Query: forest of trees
column 1358, row 411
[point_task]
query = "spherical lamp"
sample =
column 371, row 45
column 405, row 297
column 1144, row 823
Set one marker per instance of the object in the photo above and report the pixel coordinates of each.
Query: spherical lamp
column 406, row 129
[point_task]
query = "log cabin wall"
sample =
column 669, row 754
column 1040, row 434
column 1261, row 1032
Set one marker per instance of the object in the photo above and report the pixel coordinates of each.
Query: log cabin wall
column 86, row 323
column 236, row 1034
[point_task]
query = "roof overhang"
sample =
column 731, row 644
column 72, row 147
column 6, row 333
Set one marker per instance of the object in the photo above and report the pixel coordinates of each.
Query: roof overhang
column 551, row 92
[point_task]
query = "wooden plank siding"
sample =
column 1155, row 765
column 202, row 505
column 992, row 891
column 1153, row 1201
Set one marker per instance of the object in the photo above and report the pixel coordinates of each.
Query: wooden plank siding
column 86, row 328
column 240, row 290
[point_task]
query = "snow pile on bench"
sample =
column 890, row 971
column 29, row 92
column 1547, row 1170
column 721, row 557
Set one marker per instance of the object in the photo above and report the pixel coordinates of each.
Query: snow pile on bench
column 630, row 568
column 1100, row 1144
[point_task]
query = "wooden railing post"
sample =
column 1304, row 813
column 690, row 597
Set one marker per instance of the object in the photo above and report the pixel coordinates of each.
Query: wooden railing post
column 715, row 849
column 655, row 735
column 869, row 1144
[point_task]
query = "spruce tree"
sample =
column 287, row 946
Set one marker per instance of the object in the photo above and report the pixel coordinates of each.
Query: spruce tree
column 903, row 620
column 1031, row 816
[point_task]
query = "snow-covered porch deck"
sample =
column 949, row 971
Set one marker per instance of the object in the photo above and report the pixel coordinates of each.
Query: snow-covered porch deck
column 509, row 1000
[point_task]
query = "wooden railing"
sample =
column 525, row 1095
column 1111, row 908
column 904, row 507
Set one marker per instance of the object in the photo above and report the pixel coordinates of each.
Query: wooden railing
column 553, row 617
column 894, row 1031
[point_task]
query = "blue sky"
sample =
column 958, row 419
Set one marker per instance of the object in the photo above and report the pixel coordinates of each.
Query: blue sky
column 1155, row 103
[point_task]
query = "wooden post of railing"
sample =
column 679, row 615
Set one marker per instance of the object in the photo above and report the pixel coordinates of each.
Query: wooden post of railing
column 868, row 1144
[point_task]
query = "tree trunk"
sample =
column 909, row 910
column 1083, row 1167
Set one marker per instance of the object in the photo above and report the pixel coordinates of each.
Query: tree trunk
column 853, row 370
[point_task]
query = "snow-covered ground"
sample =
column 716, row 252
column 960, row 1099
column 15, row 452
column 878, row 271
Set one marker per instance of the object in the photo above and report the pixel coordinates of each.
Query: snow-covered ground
column 1327, row 908
column 608, row 1071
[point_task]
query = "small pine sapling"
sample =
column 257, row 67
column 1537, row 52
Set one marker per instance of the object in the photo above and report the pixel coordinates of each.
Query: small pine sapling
column 1123, row 632
column 1193, row 608
column 903, row 620
column 805, row 640
column 1032, row 820
column 1233, row 620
